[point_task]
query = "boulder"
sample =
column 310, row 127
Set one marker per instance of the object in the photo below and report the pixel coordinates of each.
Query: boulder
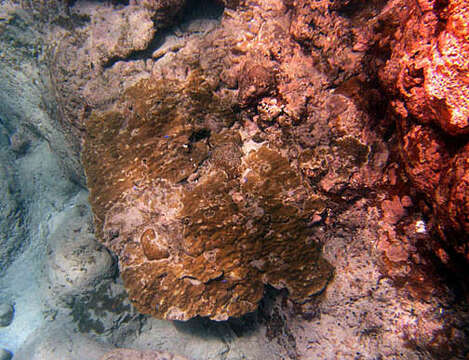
column 6, row 314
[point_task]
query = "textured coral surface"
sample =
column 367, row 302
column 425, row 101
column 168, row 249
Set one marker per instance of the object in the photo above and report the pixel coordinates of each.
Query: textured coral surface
column 199, row 223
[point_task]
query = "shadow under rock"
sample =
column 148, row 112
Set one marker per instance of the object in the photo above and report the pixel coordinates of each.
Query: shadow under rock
column 243, row 326
column 192, row 11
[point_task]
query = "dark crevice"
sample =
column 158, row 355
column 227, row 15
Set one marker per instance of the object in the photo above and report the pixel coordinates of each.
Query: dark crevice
column 350, row 8
column 357, row 9
column 119, row 2
column 196, row 9
column 135, row 55
column 199, row 135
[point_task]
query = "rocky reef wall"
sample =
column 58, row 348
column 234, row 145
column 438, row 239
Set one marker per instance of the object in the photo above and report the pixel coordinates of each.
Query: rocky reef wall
column 426, row 78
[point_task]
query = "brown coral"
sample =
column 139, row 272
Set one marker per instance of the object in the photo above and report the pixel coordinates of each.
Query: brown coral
column 192, row 214
column 255, row 80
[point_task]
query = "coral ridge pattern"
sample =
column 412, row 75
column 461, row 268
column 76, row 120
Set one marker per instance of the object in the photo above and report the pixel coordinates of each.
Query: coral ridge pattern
column 200, row 223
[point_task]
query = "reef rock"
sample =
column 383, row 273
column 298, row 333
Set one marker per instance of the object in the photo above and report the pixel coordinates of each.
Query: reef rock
column 76, row 262
column 426, row 78
column 452, row 200
column 428, row 66
column 6, row 314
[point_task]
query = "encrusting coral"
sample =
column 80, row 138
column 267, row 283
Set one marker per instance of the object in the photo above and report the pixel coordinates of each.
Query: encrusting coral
column 200, row 220
column 207, row 178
